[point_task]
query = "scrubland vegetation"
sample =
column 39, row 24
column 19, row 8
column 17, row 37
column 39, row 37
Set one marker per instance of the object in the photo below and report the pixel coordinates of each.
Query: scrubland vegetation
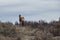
column 30, row 31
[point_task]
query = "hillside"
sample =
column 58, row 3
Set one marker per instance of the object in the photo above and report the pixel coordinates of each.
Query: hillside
column 30, row 31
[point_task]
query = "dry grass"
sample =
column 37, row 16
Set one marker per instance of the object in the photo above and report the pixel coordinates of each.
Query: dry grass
column 42, row 31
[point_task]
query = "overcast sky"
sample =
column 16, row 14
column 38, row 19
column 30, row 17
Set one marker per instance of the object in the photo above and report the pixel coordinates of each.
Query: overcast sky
column 34, row 10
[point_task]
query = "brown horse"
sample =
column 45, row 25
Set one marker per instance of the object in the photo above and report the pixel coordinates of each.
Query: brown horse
column 21, row 20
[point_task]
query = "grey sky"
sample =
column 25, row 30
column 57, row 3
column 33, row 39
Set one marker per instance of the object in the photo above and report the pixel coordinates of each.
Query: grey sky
column 34, row 10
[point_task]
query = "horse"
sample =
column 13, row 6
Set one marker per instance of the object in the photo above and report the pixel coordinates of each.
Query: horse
column 21, row 20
